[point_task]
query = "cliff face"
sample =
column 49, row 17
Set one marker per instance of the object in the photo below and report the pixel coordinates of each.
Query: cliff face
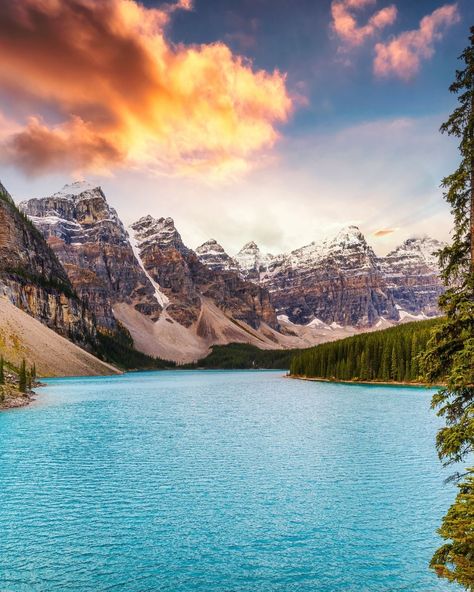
column 185, row 280
column 412, row 275
column 32, row 278
column 93, row 246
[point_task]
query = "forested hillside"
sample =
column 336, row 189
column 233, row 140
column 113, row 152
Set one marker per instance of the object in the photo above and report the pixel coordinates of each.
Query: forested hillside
column 388, row 355
column 240, row 356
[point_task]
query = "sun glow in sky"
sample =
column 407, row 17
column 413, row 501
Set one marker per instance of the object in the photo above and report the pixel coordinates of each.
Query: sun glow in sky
column 273, row 121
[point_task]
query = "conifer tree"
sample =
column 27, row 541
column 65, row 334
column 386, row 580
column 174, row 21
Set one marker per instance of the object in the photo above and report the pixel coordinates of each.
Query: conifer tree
column 450, row 356
column 454, row 560
column 22, row 379
column 2, row 370
column 415, row 368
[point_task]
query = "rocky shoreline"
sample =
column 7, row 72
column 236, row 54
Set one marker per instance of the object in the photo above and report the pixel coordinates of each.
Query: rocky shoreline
column 12, row 398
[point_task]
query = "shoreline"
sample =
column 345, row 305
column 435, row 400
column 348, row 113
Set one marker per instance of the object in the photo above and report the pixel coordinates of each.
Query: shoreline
column 17, row 400
column 365, row 382
column 13, row 399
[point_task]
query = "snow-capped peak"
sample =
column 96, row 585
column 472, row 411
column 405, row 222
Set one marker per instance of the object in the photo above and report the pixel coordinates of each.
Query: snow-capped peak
column 213, row 255
column 349, row 236
column 250, row 247
column 159, row 231
column 210, row 245
column 75, row 189
column 252, row 262
column 423, row 249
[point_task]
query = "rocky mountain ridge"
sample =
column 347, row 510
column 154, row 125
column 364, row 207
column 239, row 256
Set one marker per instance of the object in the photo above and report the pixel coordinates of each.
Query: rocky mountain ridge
column 146, row 280
column 341, row 280
column 176, row 301
column 93, row 246
column 185, row 280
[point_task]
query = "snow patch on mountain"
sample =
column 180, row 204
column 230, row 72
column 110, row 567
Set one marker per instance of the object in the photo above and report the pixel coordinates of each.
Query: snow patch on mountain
column 75, row 189
column 213, row 255
column 160, row 296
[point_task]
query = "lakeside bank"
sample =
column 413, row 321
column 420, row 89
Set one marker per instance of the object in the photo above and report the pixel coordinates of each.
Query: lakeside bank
column 364, row 382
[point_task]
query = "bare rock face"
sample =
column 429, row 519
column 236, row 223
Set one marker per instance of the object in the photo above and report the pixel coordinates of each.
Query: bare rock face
column 32, row 278
column 93, row 246
column 185, row 280
column 412, row 275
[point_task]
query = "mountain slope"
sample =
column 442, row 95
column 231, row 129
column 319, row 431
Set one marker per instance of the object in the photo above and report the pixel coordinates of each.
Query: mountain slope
column 32, row 278
column 185, row 280
column 23, row 337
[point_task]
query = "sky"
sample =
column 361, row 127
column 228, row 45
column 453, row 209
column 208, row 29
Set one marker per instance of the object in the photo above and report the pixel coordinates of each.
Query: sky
column 278, row 121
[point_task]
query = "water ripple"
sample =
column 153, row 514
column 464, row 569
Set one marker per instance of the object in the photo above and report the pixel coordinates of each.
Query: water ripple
column 219, row 481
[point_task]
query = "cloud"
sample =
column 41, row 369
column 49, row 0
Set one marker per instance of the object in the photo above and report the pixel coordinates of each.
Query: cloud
column 74, row 145
column 361, row 174
column 108, row 88
column 345, row 25
column 402, row 56
column 384, row 232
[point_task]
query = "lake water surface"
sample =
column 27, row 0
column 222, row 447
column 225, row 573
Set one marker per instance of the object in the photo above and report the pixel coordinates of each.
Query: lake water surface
column 220, row 481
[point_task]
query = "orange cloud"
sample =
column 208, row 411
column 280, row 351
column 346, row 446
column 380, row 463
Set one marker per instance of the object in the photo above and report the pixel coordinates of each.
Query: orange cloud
column 403, row 55
column 345, row 23
column 384, row 232
column 121, row 93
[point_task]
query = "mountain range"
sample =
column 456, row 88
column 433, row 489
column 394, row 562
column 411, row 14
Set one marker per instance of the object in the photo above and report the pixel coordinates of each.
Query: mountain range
column 69, row 262
column 340, row 280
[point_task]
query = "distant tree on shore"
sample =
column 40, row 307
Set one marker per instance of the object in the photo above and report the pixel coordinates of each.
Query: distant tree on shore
column 2, row 370
column 451, row 350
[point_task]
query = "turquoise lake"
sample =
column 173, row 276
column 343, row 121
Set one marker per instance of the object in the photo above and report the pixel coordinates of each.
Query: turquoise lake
column 220, row 481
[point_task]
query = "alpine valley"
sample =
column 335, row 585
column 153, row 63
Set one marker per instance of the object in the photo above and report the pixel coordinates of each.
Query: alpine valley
column 70, row 270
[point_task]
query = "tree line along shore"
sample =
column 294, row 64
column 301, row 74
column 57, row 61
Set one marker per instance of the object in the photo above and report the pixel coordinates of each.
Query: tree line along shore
column 389, row 356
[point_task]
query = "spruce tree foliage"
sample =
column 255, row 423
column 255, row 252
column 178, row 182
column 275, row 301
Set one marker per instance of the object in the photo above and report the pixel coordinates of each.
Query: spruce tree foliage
column 22, row 377
column 455, row 560
column 390, row 355
column 2, row 370
column 450, row 352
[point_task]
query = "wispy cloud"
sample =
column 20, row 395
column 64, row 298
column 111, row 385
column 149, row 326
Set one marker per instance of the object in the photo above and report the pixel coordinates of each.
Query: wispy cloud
column 108, row 88
column 349, row 31
column 402, row 56
column 384, row 232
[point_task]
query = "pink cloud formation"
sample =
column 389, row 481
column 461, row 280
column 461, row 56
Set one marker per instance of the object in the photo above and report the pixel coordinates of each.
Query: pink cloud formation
column 345, row 25
column 402, row 56
column 107, row 88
